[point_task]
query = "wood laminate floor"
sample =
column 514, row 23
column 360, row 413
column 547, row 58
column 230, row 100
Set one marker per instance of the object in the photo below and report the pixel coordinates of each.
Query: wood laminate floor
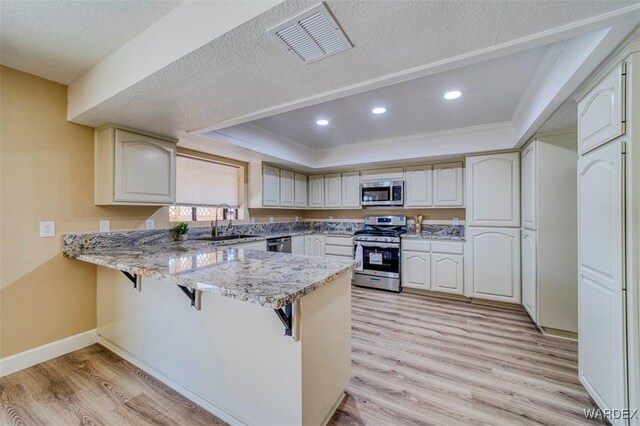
column 416, row 360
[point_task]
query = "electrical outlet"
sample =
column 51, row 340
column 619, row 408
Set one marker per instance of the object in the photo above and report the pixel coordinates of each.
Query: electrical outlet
column 253, row 220
column 105, row 225
column 271, row 219
column 47, row 229
column 330, row 217
column 150, row 224
column 297, row 219
column 456, row 221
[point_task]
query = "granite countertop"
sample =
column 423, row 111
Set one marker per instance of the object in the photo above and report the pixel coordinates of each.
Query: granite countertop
column 429, row 236
column 264, row 278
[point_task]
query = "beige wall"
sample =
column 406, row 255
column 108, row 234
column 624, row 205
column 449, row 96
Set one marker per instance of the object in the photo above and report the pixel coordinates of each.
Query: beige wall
column 46, row 173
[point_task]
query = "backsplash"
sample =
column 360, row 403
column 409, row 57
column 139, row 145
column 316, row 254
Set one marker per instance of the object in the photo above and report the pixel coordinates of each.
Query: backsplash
column 439, row 230
column 162, row 236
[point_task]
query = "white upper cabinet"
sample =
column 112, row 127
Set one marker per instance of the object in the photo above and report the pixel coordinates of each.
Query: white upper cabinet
column 300, row 190
column 529, row 273
column 134, row 169
column 418, row 186
column 492, row 268
column 316, row 191
column 351, row 189
column 529, row 204
column 333, row 190
column 493, row 190
column 447, row 184
column 600, row 113
column 287, row 188
column 270, row 186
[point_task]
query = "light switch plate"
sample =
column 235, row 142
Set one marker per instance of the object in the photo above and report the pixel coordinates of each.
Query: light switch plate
column 47, row 229
column 150, row 224
column 105, row 225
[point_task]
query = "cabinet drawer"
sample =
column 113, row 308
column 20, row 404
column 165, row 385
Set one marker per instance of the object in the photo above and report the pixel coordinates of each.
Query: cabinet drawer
column 339, row 250
column 340, row 240
column 416, row 245
column 447, row 247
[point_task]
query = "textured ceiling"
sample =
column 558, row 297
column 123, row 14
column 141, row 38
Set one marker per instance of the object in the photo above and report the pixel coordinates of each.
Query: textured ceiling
column 61, row 40
column 245, row 71
column 491, row 92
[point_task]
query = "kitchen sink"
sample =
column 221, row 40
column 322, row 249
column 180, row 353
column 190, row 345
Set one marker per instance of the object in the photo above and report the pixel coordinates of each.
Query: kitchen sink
column 226, row 237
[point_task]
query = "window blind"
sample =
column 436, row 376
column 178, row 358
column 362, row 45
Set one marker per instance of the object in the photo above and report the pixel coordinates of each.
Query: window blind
column 205, row 183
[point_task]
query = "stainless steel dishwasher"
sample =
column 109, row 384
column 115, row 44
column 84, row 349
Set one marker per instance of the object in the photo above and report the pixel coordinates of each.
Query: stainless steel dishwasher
column 280, row 245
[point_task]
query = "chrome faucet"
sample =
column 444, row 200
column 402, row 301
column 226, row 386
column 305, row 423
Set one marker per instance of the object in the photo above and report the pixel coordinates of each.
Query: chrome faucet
column 214, row 223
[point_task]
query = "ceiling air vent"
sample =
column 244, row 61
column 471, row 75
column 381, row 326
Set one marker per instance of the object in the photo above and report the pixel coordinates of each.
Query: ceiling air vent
column 313, row 35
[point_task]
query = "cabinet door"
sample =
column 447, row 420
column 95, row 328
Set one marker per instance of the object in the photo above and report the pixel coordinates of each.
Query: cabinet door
column 416, row 270
column 333, row 190
column 530, row 273
column 493, row 268
column 418, row 186
column 316, row 191
column 270, row 186
column 351, row 189
column 287, row 189
column 601, row 295
column 318, row 245
column 529, row 185
column 300, row 190
column 447, row 184
column 493, row 190
column 297, row 245
column 145, row 169
column 447, row 272
column 600, row 112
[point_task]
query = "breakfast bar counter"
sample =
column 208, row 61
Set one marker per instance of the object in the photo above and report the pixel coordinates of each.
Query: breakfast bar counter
column 264, row 338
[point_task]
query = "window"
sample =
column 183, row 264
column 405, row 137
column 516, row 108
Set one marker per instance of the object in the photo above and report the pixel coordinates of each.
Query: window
column 201, row 186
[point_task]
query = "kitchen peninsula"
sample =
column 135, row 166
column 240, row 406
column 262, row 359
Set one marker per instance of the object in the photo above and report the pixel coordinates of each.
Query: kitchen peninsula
column 254, row 337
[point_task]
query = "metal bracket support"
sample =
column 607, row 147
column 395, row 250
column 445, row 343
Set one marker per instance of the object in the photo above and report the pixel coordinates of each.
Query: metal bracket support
column 135, row 279
column 195, row 296
column 286, row 316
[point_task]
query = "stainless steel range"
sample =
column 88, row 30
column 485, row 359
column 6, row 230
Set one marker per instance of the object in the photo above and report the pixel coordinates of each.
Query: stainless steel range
column 377, row 246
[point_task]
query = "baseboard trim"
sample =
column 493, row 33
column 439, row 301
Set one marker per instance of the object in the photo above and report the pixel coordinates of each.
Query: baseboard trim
column 558, row 333
column 157, row 374
column 333, row 409
column 26, row 359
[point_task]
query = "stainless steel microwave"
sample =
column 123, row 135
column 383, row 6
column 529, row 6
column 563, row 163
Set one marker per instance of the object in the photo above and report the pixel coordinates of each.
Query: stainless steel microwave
column 382, row 193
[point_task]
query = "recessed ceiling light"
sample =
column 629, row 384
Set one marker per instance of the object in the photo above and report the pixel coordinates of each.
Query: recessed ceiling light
column 379, row 110
column 322, row 122
column 452, row 95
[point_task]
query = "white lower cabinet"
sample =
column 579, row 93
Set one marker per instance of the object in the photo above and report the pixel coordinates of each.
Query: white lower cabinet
column 314, row 245
column 339, row 246
column 433, row 265
column 492, row 269
column 447, row 271
column 416, row 270
column 297, row 245
column 529, row 273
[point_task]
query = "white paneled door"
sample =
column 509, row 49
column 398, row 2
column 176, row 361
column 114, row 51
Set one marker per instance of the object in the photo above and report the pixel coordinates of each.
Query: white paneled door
column 529, row 204
column 601, row 295
column 287, row 185
column 270, row 186
column 600, row 113
column 493, row 266
column 447, row 184
column 493, row 190
column 529, row 273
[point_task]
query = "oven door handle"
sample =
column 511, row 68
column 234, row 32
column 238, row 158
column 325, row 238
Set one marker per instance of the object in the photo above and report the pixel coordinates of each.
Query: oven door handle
column 378, row 245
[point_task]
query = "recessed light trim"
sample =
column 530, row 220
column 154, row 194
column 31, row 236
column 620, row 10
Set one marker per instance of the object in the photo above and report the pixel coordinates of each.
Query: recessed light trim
column 454, row 94
column 322, row 122
column 379, row 110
